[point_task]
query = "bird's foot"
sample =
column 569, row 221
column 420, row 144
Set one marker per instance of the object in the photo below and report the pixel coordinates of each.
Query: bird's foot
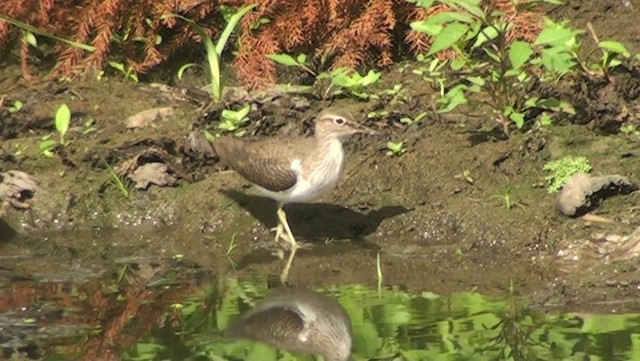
column 280, row 234
column 289, row 246
column 279, row 253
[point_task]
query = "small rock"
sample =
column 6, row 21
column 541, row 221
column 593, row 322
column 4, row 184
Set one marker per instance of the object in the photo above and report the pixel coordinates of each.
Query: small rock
column 583, row 192
column 151, row 166
column 146, row 117
column 153, row 173
column 16, row 190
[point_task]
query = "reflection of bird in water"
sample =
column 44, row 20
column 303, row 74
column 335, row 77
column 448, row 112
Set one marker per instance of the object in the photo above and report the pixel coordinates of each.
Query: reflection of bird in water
column 300, row 321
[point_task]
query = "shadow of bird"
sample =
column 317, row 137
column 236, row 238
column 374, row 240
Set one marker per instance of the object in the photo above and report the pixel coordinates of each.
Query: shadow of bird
column 318, row 221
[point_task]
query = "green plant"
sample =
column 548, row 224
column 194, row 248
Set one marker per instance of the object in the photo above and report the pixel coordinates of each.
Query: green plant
column 183, row 68
column 396, row 148
column 611, row 52
column 432, row 72
column 344, row 79
column 394, row 93
column 119, row 182
column 31, row 39
column 377, row 114
column 562, row 169
column 230, row 121
column 214, row 51
column 506, row 196
column 466, row 176
column 499, row 78
column 88, row 126
column 299, row 61
column 630, row 129
column 379, row 275
column 409, row 120
column 61, row 123
column 348, row 81
column 128, row 73
column 232, row 246
column 234, row 119
column 16, row 106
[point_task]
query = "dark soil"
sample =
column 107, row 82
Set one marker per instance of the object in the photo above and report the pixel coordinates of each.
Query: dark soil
column 434, row 230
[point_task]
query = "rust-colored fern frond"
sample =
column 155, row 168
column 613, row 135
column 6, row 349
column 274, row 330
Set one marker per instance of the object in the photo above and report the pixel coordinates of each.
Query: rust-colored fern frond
column 349, row 33
column 525, row 24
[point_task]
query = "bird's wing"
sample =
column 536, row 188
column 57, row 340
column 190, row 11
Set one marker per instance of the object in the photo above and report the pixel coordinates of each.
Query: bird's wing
column 277, row 325
column 262, row 162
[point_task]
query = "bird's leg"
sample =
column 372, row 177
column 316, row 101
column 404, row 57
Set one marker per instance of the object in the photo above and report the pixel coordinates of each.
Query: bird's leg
column 279, row 233
column 282, row 217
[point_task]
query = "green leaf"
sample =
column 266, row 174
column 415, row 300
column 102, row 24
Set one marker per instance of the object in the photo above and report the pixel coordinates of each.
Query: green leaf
column 213, row 59
column 448, row 37
column 116, row 65
column 62, row 120
column 517, row 118
column 183, row 68
column 302, row 58
column 614, row 62
column 370, row 78
column 472, row 8
column 453, row 98
column 614, row 47
column 545, row 119
column 38, row 31
column 31, row 39
column 231, row 25
column 284, row 59
column 424, row 27
column 341, row 78
column 47, row 144
column 424, row 3
column 487, row 33
column 17, row 105
column 555, row 36
column 492, row 54
column 458, row 63
column 555, row 61
column 557, row 105
column 242, row 113
column 519, row 53
column 446, row 17
column 478, row 80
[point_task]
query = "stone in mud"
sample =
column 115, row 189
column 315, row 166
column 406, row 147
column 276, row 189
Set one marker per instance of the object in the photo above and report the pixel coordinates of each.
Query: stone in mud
column 153, row 173
column 583, row 192
column 16, row 190
column 148, row 116
column 151, row 166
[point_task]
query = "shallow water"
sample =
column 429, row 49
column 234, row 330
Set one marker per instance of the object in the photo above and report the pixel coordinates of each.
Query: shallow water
column 172, row 311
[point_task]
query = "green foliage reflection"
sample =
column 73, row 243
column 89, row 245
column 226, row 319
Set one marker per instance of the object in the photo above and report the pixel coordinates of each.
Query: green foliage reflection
column 397, row 325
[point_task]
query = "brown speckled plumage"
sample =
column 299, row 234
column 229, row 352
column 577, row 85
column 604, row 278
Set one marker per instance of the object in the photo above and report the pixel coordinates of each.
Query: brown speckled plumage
column 267, row 162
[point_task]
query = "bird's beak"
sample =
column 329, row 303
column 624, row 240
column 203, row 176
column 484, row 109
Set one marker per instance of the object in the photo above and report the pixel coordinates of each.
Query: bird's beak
column 359, row 128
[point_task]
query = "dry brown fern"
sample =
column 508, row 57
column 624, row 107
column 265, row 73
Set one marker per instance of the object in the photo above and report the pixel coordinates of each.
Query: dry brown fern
column 113, row 27
column 526, row 24
column 350, row 33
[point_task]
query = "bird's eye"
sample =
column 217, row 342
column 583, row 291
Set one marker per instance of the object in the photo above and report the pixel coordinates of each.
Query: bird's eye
column 339, row 121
